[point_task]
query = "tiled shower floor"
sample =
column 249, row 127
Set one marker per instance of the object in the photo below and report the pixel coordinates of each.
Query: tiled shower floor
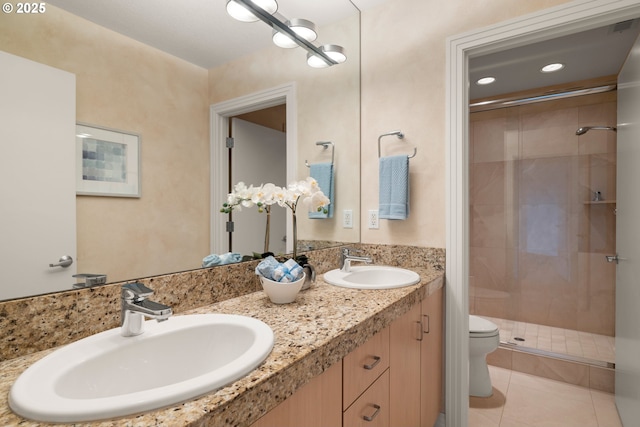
column 557, row 340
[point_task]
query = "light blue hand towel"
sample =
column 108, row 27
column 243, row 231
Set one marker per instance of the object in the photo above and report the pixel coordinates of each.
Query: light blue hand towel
column 211, row 260
column 394, row 187
column 230, row 258
column 323, row 173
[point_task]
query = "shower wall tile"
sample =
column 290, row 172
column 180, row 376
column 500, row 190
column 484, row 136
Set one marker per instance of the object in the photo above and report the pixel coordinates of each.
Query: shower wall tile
column 488, row 266
column 598, row 173
column 488, row 226
column 487, row 184
column 495, row 136
column 549, row 133
column 549, row 180
column 601, row 114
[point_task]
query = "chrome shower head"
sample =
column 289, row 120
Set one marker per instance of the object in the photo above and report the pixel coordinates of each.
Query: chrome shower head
column 583, row 130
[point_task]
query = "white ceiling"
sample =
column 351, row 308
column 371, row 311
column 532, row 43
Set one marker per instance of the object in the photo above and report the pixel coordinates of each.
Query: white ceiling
column 589, row 54
column 201, row 31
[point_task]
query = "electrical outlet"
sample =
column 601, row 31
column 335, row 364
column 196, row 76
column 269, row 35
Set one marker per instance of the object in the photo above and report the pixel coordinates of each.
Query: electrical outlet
column 373, row 219
column 347, row 218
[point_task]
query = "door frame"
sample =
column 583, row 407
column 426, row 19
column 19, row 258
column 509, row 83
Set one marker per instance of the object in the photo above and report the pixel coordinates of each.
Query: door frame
column 219, row 114
column 542, row 25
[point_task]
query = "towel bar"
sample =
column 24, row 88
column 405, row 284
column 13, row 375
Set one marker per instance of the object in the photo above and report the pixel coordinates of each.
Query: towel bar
column 325, row 145
column 400, row 135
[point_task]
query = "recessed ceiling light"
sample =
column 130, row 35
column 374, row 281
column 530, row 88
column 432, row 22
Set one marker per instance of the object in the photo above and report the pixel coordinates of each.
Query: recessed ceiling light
column 486, row 80
column 550, row 68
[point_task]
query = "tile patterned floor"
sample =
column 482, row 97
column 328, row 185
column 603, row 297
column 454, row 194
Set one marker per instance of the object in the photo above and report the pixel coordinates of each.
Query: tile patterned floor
column 522, row 400
column 557, row 340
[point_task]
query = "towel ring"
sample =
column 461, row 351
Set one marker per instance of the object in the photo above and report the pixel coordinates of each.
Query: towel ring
column 400, row 135
column 325, row 145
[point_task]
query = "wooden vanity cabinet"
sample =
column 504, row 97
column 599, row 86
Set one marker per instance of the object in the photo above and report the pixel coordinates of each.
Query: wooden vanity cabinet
column 316, row 404
column 393, row 379
column 404, row 386
column 431, row 358
column 416, row 364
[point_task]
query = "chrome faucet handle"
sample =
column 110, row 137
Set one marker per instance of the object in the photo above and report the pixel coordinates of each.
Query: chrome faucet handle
column 136, row 291
column 350, row 251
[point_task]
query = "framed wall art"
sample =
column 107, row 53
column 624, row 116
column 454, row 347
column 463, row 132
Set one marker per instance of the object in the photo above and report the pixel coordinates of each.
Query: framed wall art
column 107, row 162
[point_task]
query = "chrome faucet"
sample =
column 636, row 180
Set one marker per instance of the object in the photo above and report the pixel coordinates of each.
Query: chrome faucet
column 346, row 259
column 135, row 307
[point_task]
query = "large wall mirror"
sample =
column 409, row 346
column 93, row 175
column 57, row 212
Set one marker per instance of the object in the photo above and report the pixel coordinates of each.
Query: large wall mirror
column 124, row 84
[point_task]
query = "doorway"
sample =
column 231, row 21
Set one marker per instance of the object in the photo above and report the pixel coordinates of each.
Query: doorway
column 258, row 156
column 546, row 24
column 220, row 115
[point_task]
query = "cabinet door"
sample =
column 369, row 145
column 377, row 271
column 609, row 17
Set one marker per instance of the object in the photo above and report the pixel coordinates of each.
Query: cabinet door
column 404, row 397
column 316, row 404
column 431, row 359
column 371, row 409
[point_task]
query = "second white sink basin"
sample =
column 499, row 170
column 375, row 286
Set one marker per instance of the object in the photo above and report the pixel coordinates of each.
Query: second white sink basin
column 372, row 277
column 107, row 375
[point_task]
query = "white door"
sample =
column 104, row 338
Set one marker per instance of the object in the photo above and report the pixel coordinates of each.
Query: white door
column 259, row 157
column 37, row 139
column 628, row 242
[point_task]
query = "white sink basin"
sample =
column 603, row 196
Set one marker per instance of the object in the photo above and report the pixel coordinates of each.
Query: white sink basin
column 372, row 277
column 107, row 375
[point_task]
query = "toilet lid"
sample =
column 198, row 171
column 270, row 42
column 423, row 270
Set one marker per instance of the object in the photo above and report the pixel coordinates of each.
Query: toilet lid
column 479, row 325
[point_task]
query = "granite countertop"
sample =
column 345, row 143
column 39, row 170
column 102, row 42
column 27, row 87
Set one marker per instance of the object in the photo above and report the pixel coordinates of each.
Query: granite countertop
column 322, row 326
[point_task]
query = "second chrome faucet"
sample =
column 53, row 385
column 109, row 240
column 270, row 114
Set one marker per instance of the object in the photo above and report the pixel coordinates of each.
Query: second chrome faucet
column 346, row 259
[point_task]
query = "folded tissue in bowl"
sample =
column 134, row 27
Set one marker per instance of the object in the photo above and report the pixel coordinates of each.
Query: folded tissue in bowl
column 286, row 272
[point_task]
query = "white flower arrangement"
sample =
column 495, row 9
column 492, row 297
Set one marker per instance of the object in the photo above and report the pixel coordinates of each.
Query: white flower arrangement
column 306, row 191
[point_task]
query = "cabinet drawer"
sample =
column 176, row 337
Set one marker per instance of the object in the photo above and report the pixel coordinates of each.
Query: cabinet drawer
column 363, row 365
column 372, row 408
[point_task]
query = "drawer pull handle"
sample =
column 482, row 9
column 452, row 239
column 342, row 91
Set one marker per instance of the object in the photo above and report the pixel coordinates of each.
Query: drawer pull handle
column 420, row 330
column 375, row 414
column 376, row 360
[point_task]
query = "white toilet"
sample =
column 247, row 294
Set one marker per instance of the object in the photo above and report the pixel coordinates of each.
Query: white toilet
column 484, row 338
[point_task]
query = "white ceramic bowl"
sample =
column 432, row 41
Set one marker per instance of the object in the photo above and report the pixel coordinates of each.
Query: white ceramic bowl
column 281, row 293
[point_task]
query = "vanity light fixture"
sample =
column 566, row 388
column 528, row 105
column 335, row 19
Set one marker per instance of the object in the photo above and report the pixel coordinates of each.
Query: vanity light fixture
column 550, row 68
column 299, row 32
column 239, row 11
column 486, row 80
column 302, row 27
column 333, row 51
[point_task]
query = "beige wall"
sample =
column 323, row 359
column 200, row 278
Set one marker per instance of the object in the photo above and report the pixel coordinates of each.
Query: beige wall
column 537, row 239
column 123, row 84
column 328, row 110
column 403, row 87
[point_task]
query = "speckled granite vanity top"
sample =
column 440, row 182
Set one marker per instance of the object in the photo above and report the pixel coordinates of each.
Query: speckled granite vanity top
column 321, row 327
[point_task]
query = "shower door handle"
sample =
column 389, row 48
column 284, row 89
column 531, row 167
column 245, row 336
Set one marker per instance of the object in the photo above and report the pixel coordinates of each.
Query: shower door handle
column 613, row 258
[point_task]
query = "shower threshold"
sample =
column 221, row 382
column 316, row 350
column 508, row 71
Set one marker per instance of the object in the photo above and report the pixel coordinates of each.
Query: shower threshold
column 569, row 357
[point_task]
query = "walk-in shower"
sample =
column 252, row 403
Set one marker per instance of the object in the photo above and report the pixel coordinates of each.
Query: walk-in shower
column 538, row 236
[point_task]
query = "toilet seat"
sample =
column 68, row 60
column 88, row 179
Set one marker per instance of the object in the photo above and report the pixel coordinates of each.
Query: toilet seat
column 481, row 328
